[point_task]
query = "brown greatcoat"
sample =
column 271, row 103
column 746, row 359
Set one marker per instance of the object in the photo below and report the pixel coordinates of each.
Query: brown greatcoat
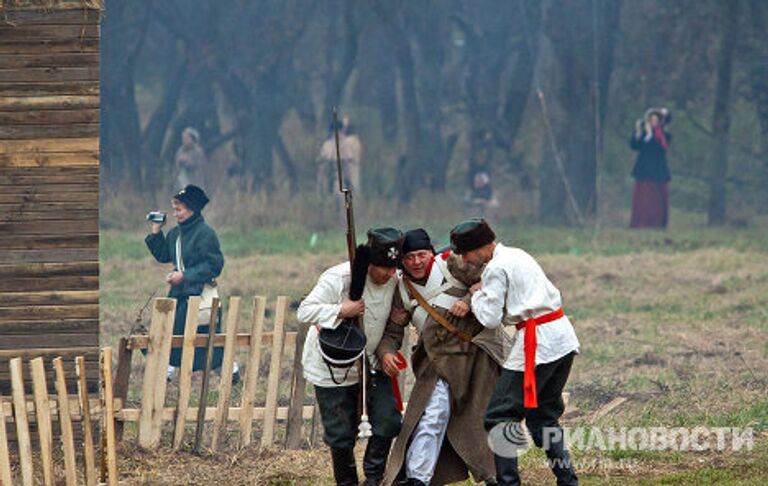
column 471, row 370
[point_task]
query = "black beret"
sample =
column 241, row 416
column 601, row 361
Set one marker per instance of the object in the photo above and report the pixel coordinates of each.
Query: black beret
column 470, row 235
column 386, row 246
column 193, row 197
column 417, row 239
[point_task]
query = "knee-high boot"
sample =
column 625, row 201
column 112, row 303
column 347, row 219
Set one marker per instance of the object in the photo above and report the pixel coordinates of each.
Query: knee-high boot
column 375, row 459
column 344, row 467
column 506, row 471
column 560, row 464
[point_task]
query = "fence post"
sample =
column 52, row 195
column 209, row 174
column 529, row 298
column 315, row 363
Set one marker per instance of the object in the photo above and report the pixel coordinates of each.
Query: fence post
column 252, row 370
column 154, row 386
column 65, row 422
column 122, row 378
column 43, row 416
column 225, row 384
column 22, row 422
column 85, row 407
column 270, row 408
column 5, row 462
column 185, row 372
column 298, row 391
column 108, row 414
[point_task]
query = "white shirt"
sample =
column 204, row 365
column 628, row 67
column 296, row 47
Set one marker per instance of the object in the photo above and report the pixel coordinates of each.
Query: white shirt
column 515, row 289
column 321, row 307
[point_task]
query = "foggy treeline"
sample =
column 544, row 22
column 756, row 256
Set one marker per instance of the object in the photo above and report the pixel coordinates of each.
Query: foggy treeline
column 545, row 93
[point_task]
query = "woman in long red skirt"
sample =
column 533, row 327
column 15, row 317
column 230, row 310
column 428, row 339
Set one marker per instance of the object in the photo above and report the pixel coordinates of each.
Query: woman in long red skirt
column 650, row 202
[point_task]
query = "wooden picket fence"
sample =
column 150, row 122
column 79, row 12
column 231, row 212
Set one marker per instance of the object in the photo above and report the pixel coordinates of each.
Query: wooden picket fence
column 154, row 412
column 65, row 409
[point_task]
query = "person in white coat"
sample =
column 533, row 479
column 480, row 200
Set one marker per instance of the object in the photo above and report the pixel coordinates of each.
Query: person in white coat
column 336, row 391
column 514, row 291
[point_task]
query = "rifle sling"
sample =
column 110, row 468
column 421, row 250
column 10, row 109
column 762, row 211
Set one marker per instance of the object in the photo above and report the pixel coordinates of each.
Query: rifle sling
column 436, row 315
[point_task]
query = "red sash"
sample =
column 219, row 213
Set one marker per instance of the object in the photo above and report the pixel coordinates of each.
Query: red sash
column 529, row 347
column 401, row 365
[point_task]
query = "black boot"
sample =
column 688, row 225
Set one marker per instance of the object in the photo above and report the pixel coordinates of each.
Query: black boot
column 506, row 471
column 375, row 459
column 560, row 463
column 344, row 467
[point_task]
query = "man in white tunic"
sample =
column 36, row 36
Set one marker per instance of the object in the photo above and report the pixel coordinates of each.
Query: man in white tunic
column 336, row 389
column 515, row 291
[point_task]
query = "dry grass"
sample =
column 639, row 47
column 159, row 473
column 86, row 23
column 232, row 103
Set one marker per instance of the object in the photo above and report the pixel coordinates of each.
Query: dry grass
column 682, row 335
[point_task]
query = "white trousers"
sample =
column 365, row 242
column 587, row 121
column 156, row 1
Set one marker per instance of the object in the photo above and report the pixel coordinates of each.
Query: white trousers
column 427, row 438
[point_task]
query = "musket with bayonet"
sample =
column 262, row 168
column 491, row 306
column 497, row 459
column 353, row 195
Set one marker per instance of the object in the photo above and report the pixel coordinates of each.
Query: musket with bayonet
column 364, row 428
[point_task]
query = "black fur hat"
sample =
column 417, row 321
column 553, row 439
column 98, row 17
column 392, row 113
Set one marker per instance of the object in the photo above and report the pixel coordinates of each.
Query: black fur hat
column 470, row 235
column 386, row 246
column 417, row 239
column 193, row 197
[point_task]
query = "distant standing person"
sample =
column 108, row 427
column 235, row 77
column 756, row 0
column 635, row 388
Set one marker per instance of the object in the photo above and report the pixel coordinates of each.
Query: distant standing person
column 650, row 202
column 326, row 164
column 190, row 158
column 351, row 149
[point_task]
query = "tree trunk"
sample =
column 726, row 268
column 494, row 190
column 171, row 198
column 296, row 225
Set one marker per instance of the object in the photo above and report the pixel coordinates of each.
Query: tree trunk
column 721, row 116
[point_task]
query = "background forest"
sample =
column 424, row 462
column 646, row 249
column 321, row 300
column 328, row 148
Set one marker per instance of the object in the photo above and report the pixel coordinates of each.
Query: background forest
column 543, row 92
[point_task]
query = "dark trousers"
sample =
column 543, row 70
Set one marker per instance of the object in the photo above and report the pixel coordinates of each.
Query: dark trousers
column 506, row 403
column 341, row 416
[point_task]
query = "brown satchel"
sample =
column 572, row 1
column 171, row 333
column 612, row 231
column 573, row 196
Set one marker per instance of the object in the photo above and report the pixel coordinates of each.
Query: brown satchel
column 436, row 315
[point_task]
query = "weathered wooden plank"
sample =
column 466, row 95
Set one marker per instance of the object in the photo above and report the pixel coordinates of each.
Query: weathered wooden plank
column 42, row 89
column 43, row 416
column 49, row 269
column 48, row 145
column 23, row 439
column 58, row 327
column 109, row 415
column 225, row 386
column 77, row 59
column 153, row 388
column 44, row 31
column 30, row 353
column 43, row 176
column 71, row 130
column 62, row 197
column 77, row 15
column 72, row 186
column 53, row 297
column 5, row 462
column 21, row 284
column 49, row 117
column 19, row 341
column 81, row 311
column 268, row 432
column 49, row 160
column 57, row 227
column 28, row 103
column 46, row 74
column 185, row 371
column 30, row 215
column 65, row 423
column 252, row 369
column 49, row 256
column 31, row 46
column 85, row 411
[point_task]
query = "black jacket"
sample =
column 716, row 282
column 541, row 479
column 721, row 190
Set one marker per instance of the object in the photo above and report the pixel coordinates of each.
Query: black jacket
column 200, row 251
column 651, row 163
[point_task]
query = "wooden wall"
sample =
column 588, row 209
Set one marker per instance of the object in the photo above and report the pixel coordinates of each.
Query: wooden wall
column 49, row 186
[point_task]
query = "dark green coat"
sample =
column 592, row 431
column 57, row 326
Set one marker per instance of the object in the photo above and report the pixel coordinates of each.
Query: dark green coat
column 203, row 262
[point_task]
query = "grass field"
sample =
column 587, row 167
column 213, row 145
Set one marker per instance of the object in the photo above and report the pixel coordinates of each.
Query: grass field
column 676, row 322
